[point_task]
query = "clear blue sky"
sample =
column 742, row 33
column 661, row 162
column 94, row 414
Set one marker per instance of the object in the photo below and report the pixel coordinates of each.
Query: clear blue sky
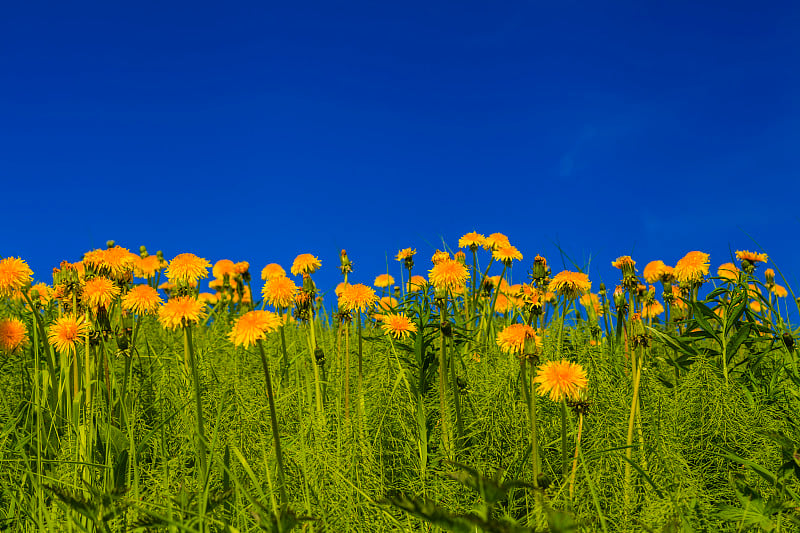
column 257, row 131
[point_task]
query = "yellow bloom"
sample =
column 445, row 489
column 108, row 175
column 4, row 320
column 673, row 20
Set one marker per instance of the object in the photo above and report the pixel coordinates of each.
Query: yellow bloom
column 570, row 284
column 623, row 261
column 448, row 275
column 305, row 264
column 729, row 272
column 652, row 309
column 224, row 267
column 387, row 303
column 398, row 326
column 512, row 338
column 495, row 241
column 43, row 290
column 416, row 283
column 472, row 240
column 14, row 274
column 181, row 311
column 13, row 334
column 66, row 332
column 656, row 271
column 100, row 292
column 383, row 281
column 592, row 301
column 358, row 297
column 119, row 261
column 561, row 379
column 272, row 270
column 253, row 326
column 279, row 291
column 439, row 256
column 506, row 254
column 405, row 253
column 779, row 291
column 187, row 268
column 242, row 267
column 142, row 300
column 691, row 268
column 753, row 257
column 148, row 267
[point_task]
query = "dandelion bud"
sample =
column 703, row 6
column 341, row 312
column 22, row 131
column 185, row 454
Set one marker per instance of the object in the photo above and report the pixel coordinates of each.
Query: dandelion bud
column 619, row 296
column 602, row 290
column 461, row 257
column 160, row 255
column 788, row 341
column 396, row 291
column 143, row 251
column 769, row 275
column 110, row 243
column 539, row 268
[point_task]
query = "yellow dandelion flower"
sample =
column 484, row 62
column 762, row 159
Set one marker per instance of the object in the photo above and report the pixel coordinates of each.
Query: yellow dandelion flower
column 506, row 254
column 691, row 268
column 383, row 281
column 405, row 253
column 729, row 272
column 13, row 334
column 448, row 275
column 416, row 283
column 66, row 332
column 14, row 274
column 100, row 292
column 208, row 298
column 654, row 271
column 779, row 291
column 305, row 264
column 495, row 241
column 43, row 290
column 339, row 288
column 181, row 311
column 253, row 326
column 512, row 338
column 279, row 292
column 623, row 261
column 272, row 270
column 187, row 268
column 358, row 297
column 472, row 240
column 753, row 257
column 224, row 267
column 148, row 267
column 592, row 301
column 571, row 284
column 652, row 309
column 387, row 303
column 439, row 256
column 398, row 326
column 242, row 267
column 142, row 300
column 118, row 261
column 561, row 379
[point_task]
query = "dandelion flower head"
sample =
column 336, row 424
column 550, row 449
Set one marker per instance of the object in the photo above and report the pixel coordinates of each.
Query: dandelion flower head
column 272, row 270
column 383, row 281
column 561, row 380
column 512, row 338
column 180, row 311
column 448, row 275
column 13, row 334
column 405, row 253
column 358, row 297
column 142, row 300
column 305, row 264
column 279, row 291
column 398, row 326
column 472, row 240
column 100, row 292
column 570, row 284
column 691, row 268
column 253, row 326
column 187, row 268
column 14, row 274
column 66, row 332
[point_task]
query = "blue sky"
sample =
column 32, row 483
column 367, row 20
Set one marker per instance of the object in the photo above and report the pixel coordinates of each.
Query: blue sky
column 257, row 131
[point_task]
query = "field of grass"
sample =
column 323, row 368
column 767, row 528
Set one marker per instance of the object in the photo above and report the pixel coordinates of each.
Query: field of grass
column 446, row 404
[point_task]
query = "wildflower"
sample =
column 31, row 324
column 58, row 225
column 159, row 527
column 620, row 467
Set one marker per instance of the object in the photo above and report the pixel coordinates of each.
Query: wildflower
column 208, row 298
column 142, row 300
column 416, row 283
column 242, row 268
column 13, row 334
column 181, row 311
column 44, row 292
column 652, row 309
column 506, row 254
column 100, row 292
column 118, row 261
column 779, row 291
column 495, row 241
column 624, row 263
column 383, row 281
column 147, row 267
column 305, row 264
column 571, row 284
column 272, row 270
column 654, row 271
column 398, row 326
column 753, row 257
column 216, row 284
column 405, row 253
column 728, row 272
column 439, row 256
column 187, row 269
column 561, row 379
column 358, row 297
column 691, row 268
column 539, row 270
column 769, row 277
column 387, row 303
column 279, row 291
column 472, row 240
column 448, row 275
column 339, row 288
column 66, row 332
column 512, row 338
column 253, row 326
column 592, row 303
column 224, row 267
column 14, row 274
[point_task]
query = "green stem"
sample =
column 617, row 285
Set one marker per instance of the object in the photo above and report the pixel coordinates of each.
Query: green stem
column 274, row 420
column 530, row 399
column 444, row 406
column 188, row 350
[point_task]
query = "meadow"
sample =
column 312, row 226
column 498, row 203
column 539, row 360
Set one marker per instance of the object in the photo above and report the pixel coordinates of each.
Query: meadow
column 454, row 397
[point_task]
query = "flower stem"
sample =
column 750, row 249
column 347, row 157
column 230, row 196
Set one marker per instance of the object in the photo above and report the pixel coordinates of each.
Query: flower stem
column 188, row 351
column 274, row 420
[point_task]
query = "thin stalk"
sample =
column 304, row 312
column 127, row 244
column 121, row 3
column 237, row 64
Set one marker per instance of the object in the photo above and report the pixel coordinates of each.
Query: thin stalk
column 530, row 399
column 575, row 457
column 188, row 350
column 444, row 406
column 274, row 420
column 564, row 463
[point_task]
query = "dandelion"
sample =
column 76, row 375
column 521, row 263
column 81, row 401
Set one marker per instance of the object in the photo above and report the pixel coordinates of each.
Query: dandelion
column 66, row 332
column 100, row 292
column 779, row 291
column 253, row 326
column 279, row 292
column 272, row 270
column 187, row 269
column 570, row 284
column 472, row 240
column 383, row 281
column 416, row 283
column 495, row 241
column 358, row 297
column 405, row 253
column 506, row 254
column 591, row 302
column 14, row 274
column 512, row 338
column 439, row 256
column 728, row 272
column 118, row 261
column 13, row 334
column 753, row 257
column 242, row 268
column 387, row 303
column 208, row 298
column 448, row 275
column 147, row 267
column 339, row 288
column 305, row 264
column 691, row 268
column 181, row 311
column 655, row 270
column 398, row 326
column 142, row 300
column 561, row 380
column 224, row 267
column 652, row 309
column 44, row 292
